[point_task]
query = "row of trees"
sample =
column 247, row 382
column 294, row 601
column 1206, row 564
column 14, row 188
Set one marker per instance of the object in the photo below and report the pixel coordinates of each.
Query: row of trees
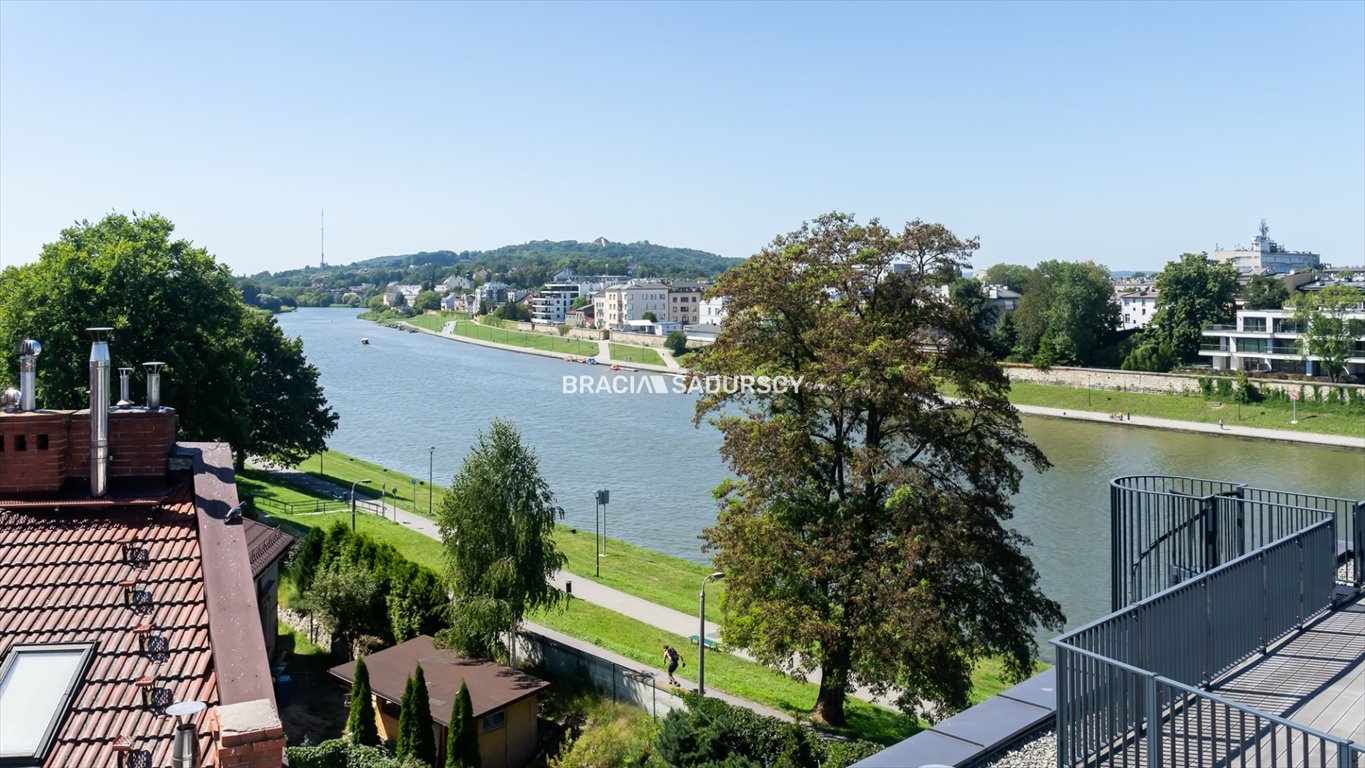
column 230, row 372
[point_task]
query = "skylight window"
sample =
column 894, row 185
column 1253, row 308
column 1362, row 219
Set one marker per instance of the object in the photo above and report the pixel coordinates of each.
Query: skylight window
column 37, row 684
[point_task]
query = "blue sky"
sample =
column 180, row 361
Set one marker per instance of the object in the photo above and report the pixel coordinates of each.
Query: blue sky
column 1123, row 133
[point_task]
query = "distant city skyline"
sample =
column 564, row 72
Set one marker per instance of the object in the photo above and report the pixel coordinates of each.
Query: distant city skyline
column 1125, row 133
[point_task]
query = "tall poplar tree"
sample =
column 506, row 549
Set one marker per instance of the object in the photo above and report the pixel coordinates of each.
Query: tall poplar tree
column 866, row 531
column 462, row 740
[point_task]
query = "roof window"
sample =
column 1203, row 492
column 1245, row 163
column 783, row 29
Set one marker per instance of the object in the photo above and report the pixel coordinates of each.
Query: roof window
column 37, row 686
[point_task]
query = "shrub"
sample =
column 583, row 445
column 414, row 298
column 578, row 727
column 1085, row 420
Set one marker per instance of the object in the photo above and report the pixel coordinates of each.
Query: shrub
column 711, row 733
column 340, row 753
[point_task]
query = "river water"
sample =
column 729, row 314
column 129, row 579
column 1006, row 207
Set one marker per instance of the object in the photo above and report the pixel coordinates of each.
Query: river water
column 405, row 392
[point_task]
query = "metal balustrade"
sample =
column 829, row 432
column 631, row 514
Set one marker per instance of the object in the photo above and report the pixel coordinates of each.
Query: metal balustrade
column 1206, row 575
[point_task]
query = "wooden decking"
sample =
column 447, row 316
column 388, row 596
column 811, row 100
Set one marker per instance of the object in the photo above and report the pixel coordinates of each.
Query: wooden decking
column 1315, row 679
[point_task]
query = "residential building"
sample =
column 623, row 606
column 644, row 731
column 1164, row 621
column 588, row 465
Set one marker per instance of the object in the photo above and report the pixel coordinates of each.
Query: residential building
column 396, row 295
column 551, row 305
column 1268, row 256
column 492, row 295
column 712, row 311
column 1267, row 340
column 615, row 307
column 266, row 548
column 459, row 302
column 702, row 333
column 684, row 302
column 1137, row 308
column 505, row 700
column 998, row 297
column 582, row 317
column 456, row 282
column 127, row 588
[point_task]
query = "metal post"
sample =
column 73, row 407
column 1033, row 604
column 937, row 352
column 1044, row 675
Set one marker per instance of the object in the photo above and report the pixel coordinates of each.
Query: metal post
column 353, row 485
column 1153, row 725
column 431, row 463
column 701, row 635
column 414, row 494
column 597, row 536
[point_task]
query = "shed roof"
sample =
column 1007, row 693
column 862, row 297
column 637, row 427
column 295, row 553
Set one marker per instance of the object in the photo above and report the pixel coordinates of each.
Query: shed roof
column 492, row 686
column 264, row 545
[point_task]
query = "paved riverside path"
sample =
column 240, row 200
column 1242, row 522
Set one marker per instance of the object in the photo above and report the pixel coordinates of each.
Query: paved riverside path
column 1232, row 430
column 653, row 614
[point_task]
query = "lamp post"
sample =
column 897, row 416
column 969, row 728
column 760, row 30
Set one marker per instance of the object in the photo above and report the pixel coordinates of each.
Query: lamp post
column 701, row 635
column 431, row 462
column 353, row 485
column 600, row 518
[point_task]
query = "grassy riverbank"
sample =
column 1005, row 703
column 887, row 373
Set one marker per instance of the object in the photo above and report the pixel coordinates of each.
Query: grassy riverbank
column 1312, row 417
column 626, row 353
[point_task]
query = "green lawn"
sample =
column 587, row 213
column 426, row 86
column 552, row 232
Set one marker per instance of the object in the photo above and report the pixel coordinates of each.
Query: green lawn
column 429, row 322
column 543, row 341
column 656, row 577
column 626, row 353
column 1313, row 417
column 344, row 470
column 642, row 643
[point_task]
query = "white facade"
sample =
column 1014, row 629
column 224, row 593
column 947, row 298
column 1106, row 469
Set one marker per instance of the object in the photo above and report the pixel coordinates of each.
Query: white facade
column 551, row 305
column 1137, row 308
column 1266, row 255
column 618, row 305
column 1268, row 340
column 713, row 311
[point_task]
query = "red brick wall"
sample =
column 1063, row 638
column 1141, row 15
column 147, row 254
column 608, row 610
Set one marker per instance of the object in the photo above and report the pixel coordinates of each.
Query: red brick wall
column 139, row 442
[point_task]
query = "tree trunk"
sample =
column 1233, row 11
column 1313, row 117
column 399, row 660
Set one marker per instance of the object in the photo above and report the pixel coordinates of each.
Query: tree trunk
column 829, row 705
column 238, row 460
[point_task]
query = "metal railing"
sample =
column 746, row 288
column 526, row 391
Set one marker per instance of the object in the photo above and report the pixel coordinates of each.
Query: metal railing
column 1206, row 574
column 315, row 506
column 1165, row 529
column 1112, row 707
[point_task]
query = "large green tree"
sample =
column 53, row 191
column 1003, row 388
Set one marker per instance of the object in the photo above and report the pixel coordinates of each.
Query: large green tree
column 497, row 524
column 416, row 738
column 346, row 596
column 360, row 725
column 1012, row 276
column 1067, row 313
column 1328, row 332
column 290, row 419
column 1191, row 293
column 230, row 374
column 866, row 529
column 1263, row 292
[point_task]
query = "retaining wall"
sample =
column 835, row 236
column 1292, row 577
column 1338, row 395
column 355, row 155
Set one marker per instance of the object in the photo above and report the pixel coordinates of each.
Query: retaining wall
column 1156, row 383
column 638, row 339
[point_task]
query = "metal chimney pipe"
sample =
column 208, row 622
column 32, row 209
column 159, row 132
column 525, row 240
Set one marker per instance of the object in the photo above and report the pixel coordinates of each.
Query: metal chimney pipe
column 153, row 385
column 99, row 410
column 123, row 376
column 28, row 374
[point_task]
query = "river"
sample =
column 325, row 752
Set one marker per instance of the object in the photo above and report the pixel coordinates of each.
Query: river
column 405, row 392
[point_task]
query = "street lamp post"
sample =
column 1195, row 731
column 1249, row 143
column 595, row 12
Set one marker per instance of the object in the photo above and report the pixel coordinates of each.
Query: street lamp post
column 414, row 495
column 600, row 517
column 701, row 635
column 431, row 463
column 353, row 485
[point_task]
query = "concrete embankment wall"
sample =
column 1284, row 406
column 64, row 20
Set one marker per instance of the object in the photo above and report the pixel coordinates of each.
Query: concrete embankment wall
column 1156, row 383
column 638, row 339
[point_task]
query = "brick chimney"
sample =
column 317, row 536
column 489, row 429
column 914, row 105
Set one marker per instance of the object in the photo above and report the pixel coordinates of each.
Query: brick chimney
column 247, row 735
column 40, row 451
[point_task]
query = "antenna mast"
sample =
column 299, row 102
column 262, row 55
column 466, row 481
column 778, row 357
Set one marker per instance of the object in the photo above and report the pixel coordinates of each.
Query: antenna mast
column 322, row 240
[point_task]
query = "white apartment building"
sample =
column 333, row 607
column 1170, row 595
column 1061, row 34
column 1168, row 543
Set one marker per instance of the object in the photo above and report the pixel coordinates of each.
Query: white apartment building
column 713, row 311
column 1267, row 256
column 684, row 302
column 1136, row 308
column 618, row 305
column 551, row 305
column 1268, row 340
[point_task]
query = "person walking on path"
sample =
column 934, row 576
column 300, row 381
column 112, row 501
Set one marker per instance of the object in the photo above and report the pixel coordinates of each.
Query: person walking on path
column 671, row 660
column 1220, row 423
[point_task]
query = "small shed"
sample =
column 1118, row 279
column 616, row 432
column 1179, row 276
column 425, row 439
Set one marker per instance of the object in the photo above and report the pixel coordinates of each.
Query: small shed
column 505, row 700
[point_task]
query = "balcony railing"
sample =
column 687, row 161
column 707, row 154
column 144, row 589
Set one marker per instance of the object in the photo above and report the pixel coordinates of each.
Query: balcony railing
column 1205, row 575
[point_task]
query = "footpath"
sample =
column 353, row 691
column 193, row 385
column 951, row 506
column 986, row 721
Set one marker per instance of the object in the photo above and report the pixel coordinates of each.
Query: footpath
column 1341, row 441
column 604, row 351
column 645, row 611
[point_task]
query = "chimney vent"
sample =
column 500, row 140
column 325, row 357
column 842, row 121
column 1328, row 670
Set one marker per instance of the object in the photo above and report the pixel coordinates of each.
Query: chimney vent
column 99, row 410
column 153, row 385
column 28, row 374
column 123, row 376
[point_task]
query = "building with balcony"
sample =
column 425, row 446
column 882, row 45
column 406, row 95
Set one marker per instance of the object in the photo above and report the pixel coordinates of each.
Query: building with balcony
column 617, row 306
column 1267, row 340
column 551, row 305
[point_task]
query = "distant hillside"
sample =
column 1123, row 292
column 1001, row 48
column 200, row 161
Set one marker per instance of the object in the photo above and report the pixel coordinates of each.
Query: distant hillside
column 600, row 256
column 525, row 266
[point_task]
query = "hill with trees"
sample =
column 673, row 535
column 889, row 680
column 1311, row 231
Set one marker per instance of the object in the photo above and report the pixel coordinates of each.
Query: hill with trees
column 527, row 265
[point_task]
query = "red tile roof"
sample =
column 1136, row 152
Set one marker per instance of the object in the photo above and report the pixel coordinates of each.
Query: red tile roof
column 60, row 575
